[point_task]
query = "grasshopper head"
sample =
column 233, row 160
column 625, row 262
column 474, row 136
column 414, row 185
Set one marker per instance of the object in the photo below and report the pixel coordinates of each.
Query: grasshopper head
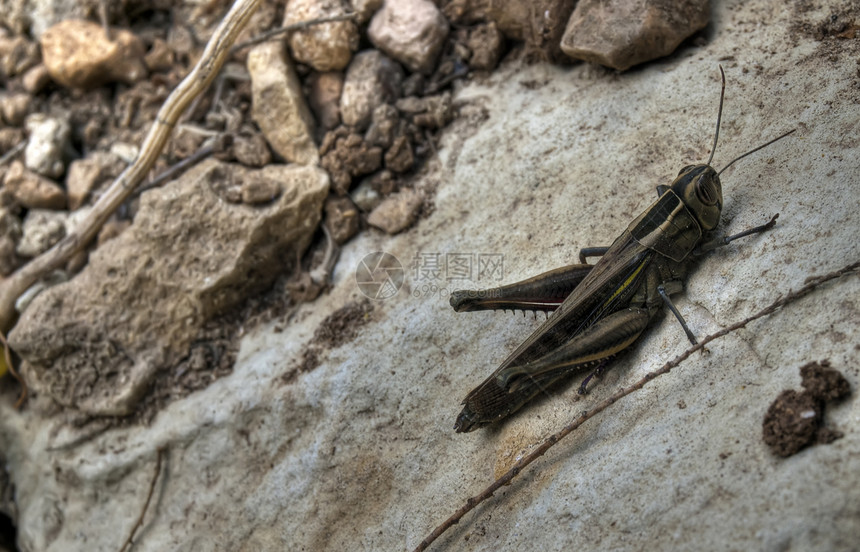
column 699, row 188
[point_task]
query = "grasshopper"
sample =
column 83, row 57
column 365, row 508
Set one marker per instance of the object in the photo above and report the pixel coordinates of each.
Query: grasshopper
column 596, row 311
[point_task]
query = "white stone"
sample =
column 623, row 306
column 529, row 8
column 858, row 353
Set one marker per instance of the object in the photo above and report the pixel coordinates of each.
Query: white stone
column 411, row 31
column 47, row 143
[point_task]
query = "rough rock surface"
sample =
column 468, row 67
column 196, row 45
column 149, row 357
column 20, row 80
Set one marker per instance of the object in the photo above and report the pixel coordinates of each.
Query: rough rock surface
column 85, row 175
column 47, row 145
column 411, row 31
column 397, row 212
column 347, row 155
column 279, row 107
column 372, row 79
column 187, row 258
column 41, row 229
column 32, row 190
column 78, row 54
column 624, row 33
column 359, row 453
column 327, row 46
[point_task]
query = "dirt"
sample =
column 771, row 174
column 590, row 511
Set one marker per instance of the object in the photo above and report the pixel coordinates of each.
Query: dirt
column 336, row 330
column 795, row 419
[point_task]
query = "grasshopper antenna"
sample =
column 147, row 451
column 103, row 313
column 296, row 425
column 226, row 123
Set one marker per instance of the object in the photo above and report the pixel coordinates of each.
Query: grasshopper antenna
column 719, row 115
column 755, row 150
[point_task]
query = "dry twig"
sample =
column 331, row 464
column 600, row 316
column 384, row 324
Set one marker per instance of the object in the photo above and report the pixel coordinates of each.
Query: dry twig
column 152, row 483
column 810, row 284
column 275, row 33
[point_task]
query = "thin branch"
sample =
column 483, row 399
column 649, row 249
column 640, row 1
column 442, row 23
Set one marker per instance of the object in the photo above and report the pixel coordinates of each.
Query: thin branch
column 810, row 285
column 139, row 521
column 301, row 25
column 216, row 53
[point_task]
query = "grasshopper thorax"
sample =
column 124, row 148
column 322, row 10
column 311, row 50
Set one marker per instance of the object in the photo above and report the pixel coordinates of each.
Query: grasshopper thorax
column 699, row 188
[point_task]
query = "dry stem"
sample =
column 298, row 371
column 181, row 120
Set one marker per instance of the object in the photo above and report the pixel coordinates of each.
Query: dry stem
column 810, row 285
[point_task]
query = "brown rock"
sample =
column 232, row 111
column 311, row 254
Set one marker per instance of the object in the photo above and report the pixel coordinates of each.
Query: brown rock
column 347, row 157
column 159, row 57
column 85, row 175
column 327, row 46
column 624, row 33
column 399, row 157
column 78, row 54
column 257, row 189
column 279, row 107
column 95, row 342
column 398, row 212
column 538, row 23
column 465, row 12
column 14, row 108
column 324, row 97
column 17, row 54
column 341, row 218
column 364, row 9
column 429, row 111
column 251, row 150
column 411, row 31
column 36, row 79
column 371, row 80
column 33, row 191
column 486, row 43
column 381, row 130
column 9, row 138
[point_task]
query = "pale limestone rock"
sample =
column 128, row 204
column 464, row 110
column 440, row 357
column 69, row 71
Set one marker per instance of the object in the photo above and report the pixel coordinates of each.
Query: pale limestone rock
column 397, row 212
column 359, row 453
column 188, row 257
column 78, row 54
column 47, row 144
column 326, row 46
column 371, row 80
column 279, row 107
column 41, row 230
column 32, row 190
column 411, row 31
column 624, row 33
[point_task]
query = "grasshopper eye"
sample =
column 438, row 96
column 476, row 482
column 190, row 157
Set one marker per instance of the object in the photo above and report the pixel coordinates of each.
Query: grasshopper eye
column 706, row 191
